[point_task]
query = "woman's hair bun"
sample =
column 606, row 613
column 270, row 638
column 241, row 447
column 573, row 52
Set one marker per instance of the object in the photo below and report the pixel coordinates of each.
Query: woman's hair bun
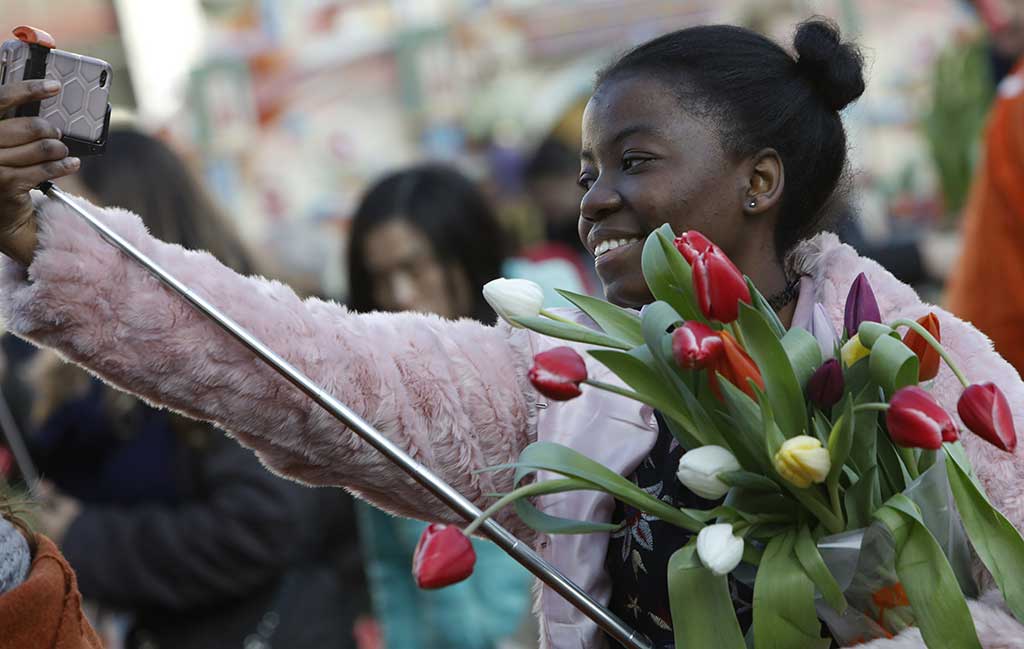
column 835, row 69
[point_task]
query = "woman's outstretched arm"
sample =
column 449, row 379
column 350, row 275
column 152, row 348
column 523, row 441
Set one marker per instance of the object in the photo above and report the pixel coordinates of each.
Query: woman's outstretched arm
column 453, row 394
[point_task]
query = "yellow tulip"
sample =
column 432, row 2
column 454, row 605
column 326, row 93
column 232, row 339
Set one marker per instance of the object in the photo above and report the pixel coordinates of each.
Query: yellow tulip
column 802, row 461
column 853, row 351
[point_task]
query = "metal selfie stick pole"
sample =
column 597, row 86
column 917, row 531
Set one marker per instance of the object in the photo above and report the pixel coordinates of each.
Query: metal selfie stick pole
column 459, row 503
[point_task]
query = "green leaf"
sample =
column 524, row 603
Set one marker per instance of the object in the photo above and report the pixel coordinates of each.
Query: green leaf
column 761, row 503
column 803, row 352
column 840, row 442
column 809, row 557
column 574, row 332
column 862, row 454
column 746, row 432
column 862, row 499
column 548, row 456
column 657, row 319
column 821, row 426
column 939, row 607
column 748, row 480
column 538, row 520
column 996, row 541
column 784, row 613
column 869, row 333
column 783, row 388
column 668, row 275
column 893, row 365
column 617, row 322
column 646, row 381
column 705, row 621
column 548, row 524
column 890, row 464
column 764, row 308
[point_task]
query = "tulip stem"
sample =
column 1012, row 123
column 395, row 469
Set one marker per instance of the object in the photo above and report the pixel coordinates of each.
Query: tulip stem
column 557, row 318
column 813, row 501
column 867, row 407
column 936, row 345
column 910, row 460
column 532, row 489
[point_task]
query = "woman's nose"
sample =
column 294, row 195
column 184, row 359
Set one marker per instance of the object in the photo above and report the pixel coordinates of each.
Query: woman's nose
column 599, row 201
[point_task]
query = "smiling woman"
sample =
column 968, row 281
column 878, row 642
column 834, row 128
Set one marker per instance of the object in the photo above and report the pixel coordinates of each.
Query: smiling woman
column 711, row 128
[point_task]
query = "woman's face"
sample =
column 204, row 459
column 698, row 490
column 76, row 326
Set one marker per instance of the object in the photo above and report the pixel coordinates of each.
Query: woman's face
column 646, row 162
column 406, row 275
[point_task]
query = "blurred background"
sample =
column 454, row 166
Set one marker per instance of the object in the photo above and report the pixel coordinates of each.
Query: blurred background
column 289, row 108
column 288, row 111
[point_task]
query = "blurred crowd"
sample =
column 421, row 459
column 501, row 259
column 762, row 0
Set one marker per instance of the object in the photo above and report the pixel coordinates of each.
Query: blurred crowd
column 179, row 537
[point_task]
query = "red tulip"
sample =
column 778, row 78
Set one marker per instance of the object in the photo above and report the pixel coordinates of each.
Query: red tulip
column 986, row 412
column 557, row 373
column 916, row 420
column 929, row 357
column 736, row 366
column 444, row 556
column 861, row 305
column 825, row 387
column 691, row 243
column 719, row 285
column 695, row 344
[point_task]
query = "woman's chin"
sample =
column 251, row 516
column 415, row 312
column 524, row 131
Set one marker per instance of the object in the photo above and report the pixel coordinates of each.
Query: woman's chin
column 627, row 294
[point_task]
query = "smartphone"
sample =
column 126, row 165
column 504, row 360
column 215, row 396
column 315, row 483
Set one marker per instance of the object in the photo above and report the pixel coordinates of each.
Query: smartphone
column 82, row 109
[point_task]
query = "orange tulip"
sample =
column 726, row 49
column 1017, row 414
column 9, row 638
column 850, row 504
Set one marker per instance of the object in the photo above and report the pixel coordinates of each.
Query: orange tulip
column 736, row 366
column 929, row 358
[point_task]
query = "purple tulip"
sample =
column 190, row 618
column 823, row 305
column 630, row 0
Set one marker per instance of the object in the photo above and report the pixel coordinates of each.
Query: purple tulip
column 861, row 306
column 825, row 387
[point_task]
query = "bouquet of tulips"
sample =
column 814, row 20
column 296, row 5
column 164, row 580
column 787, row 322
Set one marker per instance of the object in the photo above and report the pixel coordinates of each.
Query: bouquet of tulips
column 844, row 493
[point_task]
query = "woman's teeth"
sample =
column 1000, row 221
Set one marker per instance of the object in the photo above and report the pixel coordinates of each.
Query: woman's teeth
column 611, row 244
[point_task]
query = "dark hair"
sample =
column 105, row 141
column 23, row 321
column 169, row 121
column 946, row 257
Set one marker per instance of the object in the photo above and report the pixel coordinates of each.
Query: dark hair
column 449, row 210
column 760, row 96
column 142, row 174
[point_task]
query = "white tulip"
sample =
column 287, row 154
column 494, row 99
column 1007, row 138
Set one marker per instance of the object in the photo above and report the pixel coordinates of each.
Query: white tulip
column 514, row 298
column 699, row 469
column 718, row 549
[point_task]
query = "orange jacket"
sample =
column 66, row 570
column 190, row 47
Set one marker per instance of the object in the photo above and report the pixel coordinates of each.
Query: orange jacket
column 987, row 286
column 45, row 611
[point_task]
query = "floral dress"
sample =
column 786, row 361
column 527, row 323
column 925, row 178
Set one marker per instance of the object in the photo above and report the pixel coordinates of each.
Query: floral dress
column 639, row 551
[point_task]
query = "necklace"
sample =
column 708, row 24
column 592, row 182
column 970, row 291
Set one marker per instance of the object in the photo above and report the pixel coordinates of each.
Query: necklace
column 779, row 300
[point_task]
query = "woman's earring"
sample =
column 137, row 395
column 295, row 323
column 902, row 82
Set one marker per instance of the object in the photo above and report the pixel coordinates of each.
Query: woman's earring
column 752, row 204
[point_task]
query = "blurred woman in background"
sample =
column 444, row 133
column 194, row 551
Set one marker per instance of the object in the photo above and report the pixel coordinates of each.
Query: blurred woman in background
column 164, row 516
column 424, row 239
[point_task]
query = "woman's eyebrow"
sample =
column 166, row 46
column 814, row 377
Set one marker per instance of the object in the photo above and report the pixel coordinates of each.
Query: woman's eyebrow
column 636, row 129
column 633, row 129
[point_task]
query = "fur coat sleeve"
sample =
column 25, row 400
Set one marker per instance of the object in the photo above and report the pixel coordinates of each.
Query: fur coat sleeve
column 453, row 394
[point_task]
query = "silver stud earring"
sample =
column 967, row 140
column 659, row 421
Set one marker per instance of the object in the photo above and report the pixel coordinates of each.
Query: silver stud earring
column 752, row 204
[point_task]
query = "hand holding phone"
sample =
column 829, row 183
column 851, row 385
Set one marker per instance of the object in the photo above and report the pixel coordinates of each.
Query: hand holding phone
column 34, row 148
column 31, row 153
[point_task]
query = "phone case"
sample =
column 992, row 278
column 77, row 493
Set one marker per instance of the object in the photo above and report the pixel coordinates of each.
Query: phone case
column 80, row 110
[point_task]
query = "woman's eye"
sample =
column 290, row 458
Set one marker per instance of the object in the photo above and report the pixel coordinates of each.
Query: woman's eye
column 585, row 181
column 630, row 163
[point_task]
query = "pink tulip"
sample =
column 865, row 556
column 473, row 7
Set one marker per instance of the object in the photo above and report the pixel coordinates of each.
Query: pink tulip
column 557, row 373
column 695, row 344
column 443, row 556
column 916, row 420
column 986, row 412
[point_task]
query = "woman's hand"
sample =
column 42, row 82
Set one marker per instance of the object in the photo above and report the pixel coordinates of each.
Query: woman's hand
column 30, row 153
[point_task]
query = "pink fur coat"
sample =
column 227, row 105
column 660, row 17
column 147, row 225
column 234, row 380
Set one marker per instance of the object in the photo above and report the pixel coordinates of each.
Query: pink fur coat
column 453, row 394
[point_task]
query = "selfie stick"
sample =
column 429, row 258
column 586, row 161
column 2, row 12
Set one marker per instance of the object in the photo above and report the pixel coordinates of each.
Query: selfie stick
column 519, row 551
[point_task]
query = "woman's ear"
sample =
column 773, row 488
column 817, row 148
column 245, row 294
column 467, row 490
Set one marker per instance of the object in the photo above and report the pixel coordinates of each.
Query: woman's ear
column 766, row 182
